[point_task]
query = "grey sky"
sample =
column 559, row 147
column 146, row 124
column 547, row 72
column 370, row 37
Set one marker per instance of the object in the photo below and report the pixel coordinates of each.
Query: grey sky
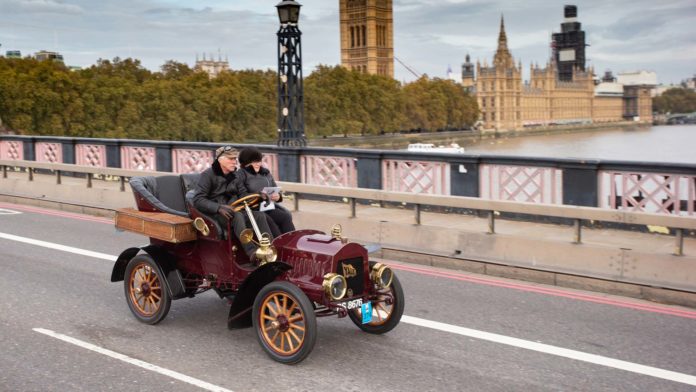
column 429, row 35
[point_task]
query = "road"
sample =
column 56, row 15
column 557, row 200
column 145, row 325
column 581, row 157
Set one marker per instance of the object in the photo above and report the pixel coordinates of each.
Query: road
column 65, row 327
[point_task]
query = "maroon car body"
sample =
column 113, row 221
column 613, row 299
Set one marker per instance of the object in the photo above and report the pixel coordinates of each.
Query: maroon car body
column 280, row 298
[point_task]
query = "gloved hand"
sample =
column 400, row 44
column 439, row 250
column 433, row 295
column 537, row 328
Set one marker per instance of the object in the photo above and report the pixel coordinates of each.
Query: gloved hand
column 226, row 211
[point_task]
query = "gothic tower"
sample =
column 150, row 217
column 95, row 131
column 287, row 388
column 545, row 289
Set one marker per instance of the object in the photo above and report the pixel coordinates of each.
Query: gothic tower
column 503, row 58
column 468, row 77
column 569, row 45
column 498, row 88
column 367, row 36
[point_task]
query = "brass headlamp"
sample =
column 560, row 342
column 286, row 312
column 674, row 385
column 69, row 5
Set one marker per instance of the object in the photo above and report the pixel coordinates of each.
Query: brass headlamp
column 381, row 275
column 335, row 286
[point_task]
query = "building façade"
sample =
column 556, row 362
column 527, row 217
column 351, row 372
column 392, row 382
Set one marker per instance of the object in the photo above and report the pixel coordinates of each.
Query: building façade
column 367, row 36
column 555, row 94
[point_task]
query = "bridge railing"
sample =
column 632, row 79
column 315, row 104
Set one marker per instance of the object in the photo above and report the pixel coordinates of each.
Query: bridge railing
column 663, row 188
column 418, row 200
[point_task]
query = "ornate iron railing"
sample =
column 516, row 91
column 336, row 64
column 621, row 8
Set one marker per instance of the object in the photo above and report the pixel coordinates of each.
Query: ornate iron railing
column 666, row 188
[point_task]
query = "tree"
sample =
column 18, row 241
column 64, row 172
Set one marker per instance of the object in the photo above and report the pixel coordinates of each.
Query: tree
column 676, row 100
column 175, row 70
column 121, row 99
column 340, row 101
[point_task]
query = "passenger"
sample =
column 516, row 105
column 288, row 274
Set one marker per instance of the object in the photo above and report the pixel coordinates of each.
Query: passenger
column 253, row 178
column 217, row 188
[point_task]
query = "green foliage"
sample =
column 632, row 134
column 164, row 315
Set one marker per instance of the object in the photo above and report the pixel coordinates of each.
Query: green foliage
column 339, row 101
column 122, row 99
column 676, row 100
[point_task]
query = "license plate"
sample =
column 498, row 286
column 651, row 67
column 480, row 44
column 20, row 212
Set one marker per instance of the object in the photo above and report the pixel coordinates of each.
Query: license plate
column 352, row 304
column 366, row 310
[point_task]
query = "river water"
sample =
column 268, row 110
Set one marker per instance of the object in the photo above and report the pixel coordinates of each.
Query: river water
column 667, row 143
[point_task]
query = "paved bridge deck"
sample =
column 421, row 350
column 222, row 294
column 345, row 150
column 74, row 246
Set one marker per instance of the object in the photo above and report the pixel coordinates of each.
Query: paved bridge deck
column 616, row 261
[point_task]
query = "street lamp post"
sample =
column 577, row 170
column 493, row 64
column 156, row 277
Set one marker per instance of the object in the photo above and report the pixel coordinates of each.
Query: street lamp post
column 290, row 91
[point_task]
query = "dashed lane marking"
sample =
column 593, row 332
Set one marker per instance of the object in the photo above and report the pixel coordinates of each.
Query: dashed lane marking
column 5, row 211
column 136, row 362
column 63, row 248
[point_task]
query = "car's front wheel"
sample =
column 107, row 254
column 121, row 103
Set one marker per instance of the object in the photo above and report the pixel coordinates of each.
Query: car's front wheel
column 384, row 316
column 146, row 290
column 284, row 321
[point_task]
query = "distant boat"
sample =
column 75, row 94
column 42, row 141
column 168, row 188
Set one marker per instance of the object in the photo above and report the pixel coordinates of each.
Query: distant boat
column 452, row 148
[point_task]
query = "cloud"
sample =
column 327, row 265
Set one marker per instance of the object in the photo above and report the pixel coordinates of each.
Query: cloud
column 39, row 6
column 161, row 11
column 428, row 35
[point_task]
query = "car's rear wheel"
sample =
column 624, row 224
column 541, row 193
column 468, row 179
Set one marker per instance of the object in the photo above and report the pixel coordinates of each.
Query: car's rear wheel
column 384, row 316
column 146, row 290
column 284, row 321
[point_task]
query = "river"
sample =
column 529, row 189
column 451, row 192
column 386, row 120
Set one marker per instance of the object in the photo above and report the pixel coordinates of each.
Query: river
column 667, row 143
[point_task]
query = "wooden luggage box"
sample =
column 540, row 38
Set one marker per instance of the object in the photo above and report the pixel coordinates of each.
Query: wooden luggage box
column 159, row 225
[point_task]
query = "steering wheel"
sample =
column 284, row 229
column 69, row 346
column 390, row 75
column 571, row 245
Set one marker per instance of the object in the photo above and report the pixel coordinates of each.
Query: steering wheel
column 251, row 200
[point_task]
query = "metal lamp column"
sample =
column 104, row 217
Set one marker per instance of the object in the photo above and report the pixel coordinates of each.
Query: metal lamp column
column 290, row 91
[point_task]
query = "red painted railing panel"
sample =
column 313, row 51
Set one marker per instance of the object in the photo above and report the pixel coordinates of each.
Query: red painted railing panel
column 49, row 152
column 328, row 170
column 12, row 150
column 90, row 155
column 661, row 193
column 531, row 184
column 138, row 158
column 416, row 177
column 270, row 162
column 190, row 160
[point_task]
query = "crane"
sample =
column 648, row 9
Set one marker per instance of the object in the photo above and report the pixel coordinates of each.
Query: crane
column 416, row 74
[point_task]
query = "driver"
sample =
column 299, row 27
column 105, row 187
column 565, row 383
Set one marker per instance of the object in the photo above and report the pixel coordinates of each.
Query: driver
column 217, row 188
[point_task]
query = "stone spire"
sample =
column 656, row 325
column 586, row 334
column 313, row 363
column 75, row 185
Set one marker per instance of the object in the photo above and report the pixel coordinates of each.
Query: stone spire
column 502, row 58
column 502, row 37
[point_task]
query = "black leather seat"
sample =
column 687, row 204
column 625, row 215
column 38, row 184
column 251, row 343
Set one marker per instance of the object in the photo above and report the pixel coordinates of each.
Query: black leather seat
column 173, row 194
column 170, row 194
column 188, row 185
column 189, row 181
column 163, row 193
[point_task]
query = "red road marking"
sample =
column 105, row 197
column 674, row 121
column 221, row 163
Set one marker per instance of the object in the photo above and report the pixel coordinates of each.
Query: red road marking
column 62, row 214
column 441, row 274
column 550, row 291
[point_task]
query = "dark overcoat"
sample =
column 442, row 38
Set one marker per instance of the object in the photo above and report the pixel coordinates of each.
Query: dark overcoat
column 215, row 188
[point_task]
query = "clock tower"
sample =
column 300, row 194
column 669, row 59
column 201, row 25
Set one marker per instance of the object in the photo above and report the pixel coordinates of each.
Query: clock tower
column 569, row 45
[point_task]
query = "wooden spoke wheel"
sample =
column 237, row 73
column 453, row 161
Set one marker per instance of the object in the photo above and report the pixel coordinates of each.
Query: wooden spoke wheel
column 384, row 316
column 251, row 200
column 146, row 290
column 284, row 321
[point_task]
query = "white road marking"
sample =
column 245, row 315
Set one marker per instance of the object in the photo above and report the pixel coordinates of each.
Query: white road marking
column 473, row 333
column 5, row 211
column 63, row 248
column 553, row 350
column 133, row 361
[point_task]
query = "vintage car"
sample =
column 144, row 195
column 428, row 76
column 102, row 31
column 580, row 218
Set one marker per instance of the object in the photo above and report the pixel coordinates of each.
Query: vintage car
column 295, row 278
